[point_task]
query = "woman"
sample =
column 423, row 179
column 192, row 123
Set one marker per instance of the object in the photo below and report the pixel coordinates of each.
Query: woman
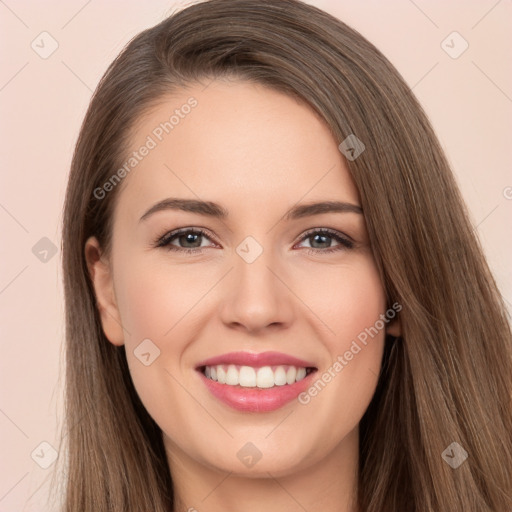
column 331, row 339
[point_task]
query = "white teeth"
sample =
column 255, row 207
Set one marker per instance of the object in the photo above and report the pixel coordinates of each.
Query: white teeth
column 301, row 373
column 279, row 376
column 265, row 377
column 249, row 377
column 221, row 375
column 291, row 374
column 232, row 375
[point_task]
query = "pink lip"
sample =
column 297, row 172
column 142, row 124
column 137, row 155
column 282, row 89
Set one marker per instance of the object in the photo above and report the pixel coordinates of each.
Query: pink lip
column 256, row 399
column 256, row 360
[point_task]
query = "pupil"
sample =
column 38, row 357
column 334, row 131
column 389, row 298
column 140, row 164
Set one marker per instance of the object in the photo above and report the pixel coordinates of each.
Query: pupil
column 190, row 238
column 324, row 237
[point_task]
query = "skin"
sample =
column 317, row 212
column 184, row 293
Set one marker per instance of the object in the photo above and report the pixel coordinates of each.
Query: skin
column 256, row 152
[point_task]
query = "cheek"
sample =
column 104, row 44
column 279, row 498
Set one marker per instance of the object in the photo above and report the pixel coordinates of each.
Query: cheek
column 350, row 304
column 346, row 298
column 153, row 299
column 159, row 302
column 155, row 302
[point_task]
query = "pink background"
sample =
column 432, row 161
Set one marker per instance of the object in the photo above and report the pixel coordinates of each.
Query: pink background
column 42, row 103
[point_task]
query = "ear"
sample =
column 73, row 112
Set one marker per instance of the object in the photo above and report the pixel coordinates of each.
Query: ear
column 394, row 325
column 101, row 276
column 394, row 328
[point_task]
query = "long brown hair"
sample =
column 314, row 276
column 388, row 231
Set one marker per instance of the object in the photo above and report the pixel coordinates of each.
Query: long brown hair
column 447, row 379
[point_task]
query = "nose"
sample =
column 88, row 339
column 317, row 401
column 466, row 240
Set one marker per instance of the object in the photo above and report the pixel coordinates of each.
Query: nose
column 257, row 296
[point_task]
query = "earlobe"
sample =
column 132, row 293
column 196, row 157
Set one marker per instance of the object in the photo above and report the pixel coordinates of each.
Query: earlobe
column 394, row 328
column 101, row 278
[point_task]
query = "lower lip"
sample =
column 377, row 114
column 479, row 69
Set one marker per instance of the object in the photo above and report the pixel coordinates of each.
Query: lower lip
column 256, row 399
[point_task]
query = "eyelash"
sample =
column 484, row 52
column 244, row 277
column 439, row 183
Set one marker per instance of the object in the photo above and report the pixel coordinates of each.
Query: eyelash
column 165, row 240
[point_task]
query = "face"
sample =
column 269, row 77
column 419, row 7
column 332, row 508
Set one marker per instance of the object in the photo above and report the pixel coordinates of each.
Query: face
column 254, row 338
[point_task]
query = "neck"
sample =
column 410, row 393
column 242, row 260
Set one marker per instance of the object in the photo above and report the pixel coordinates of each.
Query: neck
column 328, row 485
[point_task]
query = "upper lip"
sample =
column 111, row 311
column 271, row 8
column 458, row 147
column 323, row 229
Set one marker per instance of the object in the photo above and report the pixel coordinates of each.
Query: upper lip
column 256, row 360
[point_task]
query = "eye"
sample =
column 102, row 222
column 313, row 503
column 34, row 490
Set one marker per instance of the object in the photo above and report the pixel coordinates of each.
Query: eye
column 189, row 238
column 323, row 238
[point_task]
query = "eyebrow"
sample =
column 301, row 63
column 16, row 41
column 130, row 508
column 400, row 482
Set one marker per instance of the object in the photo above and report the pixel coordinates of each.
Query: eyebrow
column 215, row 210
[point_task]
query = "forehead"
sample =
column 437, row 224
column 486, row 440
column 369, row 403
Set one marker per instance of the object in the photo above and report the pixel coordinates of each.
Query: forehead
column 237, row 143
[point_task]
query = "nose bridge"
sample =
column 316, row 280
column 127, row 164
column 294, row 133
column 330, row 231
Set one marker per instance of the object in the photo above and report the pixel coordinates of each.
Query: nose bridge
column 252, row 263
column 256, row 298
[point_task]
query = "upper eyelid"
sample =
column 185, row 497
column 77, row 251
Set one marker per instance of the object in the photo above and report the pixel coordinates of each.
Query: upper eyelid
column 326, row 230
column 175, row 232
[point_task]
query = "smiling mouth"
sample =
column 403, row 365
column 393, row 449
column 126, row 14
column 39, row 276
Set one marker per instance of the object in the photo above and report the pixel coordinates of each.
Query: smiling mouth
column 263, row 377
